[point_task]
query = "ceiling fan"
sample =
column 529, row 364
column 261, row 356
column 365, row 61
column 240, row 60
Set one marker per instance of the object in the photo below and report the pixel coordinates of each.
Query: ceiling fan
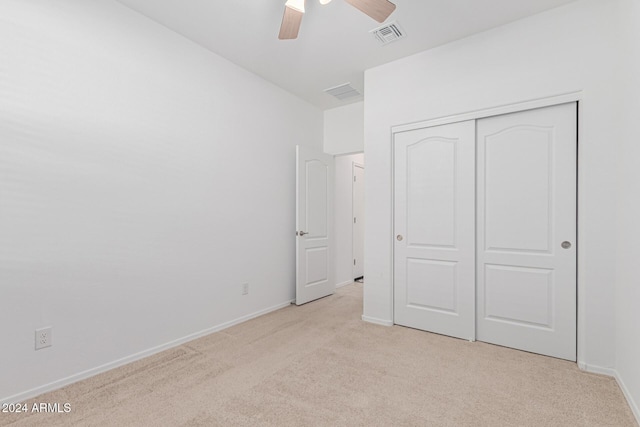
column 294, row 10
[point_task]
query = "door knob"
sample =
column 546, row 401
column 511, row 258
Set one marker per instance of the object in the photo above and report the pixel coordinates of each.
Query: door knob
column 566, row 245
column 302, row 233
column 399, row 237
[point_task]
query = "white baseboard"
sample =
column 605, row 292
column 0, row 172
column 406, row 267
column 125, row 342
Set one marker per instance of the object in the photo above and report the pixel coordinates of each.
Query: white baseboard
column 21, row 397
column 377, row 321
column 348, row 282
column 614, row 373
column 610, row 372
column 632, row 403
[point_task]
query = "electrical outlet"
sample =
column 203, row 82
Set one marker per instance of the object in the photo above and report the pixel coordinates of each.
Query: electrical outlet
column 43, row 337
column 245, row 289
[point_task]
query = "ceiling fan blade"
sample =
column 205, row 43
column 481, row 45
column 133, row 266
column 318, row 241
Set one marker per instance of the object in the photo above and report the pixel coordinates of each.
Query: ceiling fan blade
column 291, row 21
column 377, row 9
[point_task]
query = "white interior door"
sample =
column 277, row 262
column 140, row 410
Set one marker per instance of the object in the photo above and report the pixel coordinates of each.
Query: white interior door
column 314, row 225
column 358, row 221
column 434, row 253
column 526, row 221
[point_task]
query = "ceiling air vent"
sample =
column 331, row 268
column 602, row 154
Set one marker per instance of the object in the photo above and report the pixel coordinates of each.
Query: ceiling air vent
column 388, row 33
column 343, row 91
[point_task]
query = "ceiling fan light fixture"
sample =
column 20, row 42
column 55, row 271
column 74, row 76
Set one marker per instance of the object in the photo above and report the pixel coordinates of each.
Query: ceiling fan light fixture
column 294, row 11
column 296, row 5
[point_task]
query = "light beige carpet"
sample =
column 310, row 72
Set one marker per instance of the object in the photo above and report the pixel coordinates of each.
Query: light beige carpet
column 321, row 365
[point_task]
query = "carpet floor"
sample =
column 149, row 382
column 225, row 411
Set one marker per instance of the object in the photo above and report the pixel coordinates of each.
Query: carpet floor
column 321, row 365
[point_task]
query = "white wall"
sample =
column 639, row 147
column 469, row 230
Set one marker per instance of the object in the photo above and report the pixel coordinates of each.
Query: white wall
column 344, row 129
column 568, row 49
column 628, row 274
column 343, row 217
column 142, row 180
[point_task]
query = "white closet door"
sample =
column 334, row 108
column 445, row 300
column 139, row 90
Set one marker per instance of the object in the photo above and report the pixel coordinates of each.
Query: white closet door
column 358, row 221
column 526, row 223
column 434, row 286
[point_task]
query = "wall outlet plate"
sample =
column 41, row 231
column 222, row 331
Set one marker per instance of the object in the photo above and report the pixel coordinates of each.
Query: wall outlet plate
column 43, row 337
column 245, row 289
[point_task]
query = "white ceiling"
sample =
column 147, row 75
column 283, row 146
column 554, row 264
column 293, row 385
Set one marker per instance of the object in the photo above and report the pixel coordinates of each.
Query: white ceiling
column 334, row 45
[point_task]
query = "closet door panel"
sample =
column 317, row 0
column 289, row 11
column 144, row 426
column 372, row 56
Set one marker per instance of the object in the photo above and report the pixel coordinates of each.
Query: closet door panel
column 526, row 229
column 434, row 241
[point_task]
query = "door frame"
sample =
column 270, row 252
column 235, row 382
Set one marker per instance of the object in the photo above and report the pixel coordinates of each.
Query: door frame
column 581, row 285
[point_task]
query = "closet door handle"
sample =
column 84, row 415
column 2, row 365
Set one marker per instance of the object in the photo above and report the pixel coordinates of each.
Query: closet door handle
column 399, row 237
